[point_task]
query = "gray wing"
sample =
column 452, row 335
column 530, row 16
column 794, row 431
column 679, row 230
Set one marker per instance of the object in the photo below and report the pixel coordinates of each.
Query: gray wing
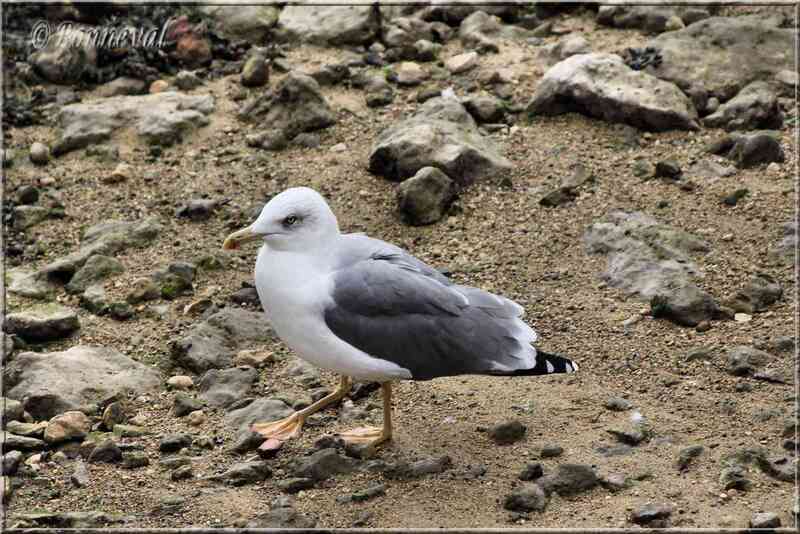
column 392, row 306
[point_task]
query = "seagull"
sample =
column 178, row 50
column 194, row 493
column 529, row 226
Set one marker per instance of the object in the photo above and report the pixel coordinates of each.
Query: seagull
column 368, row 310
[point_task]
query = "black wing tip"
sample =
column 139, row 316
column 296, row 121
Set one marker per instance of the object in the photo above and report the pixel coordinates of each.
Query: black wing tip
column 548, row 364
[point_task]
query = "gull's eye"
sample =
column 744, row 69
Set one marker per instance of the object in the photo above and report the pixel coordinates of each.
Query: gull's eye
column 290, row 221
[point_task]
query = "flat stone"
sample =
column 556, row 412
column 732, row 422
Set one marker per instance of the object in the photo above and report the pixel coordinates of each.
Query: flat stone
column 721, row 55
column 42, row 323
column 507, row 433
column 765, row 520
column 221, row 387
column 329, row 25
column 569, row 479
column 462, row 62
column 526, row 498
column 162, row 118
column 322, row 465
column 650, row 513
column 55, row 382
column 12, row 442
column 440, row 134
column 294, row 106
column 425, row 197
column 67, row 426
column 602, row 86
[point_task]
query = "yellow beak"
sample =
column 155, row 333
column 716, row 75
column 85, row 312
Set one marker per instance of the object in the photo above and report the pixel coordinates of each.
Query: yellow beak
column 242, row 236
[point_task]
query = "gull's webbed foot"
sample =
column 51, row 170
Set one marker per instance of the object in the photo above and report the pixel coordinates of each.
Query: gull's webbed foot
column 283, row 429
column 367, row 436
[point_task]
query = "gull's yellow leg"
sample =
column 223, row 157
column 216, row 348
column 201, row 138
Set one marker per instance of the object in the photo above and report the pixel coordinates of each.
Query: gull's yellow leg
column 372, row 436
column 290, row 427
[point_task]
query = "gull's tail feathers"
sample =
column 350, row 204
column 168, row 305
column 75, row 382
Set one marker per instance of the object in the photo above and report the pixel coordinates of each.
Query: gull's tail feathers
column 547, row 364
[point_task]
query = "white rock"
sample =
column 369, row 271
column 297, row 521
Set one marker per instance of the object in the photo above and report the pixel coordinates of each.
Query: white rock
column 462, row 62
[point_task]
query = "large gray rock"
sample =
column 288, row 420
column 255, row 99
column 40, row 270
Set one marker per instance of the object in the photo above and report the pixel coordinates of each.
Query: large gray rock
column 405, row 31
column 756, row 106
column 106, row 238
column 654, row 19
column 24, row 282
column 750, row 149
column 440, row 134
column 603, row 86
column 10, row 410
column 451, row 13
column 236, row 21
column 526, row 498
column 51, row 383
column 744, row 360
column 46, row 322
column 569, row 479
column 161, row 118
column 424, row 198
column 243, row 325
column 329, row 25
column 484, row 32
column 211, row 344
column 322, row 465
column 652, row 261
column 203, row 347
column 721, row 55
column 294, row 106
column 96, row 269
column 569, row 46
column 757, row 295
column 28, row 216
column 687, row 305
column 220, row 388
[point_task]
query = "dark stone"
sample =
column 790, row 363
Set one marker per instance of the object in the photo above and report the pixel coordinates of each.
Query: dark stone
column 183, row 404
column 183, row 472
column 531, row 472
column 560, row 196
column 687, row 305
column 551, row 451
column 507, row 433
column 425, row 197
column 734, row 198
column 321, row 465
column 569, row 479
column 650, row 513
column 744, row 360
column 526, row 498
column 245, row 473
column 765, row 520
column 106, row 452
column 135, row 460
column 174, row 442
column 10, row 463
column 668, row 169
column 687, row 455
column 293, row 485
column 617, row 404
column 404, row 471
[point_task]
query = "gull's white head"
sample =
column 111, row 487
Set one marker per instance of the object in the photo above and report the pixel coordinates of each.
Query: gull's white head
column 297, row 219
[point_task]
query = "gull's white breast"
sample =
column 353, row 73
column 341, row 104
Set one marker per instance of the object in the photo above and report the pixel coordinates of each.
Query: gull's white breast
column 295, row 289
